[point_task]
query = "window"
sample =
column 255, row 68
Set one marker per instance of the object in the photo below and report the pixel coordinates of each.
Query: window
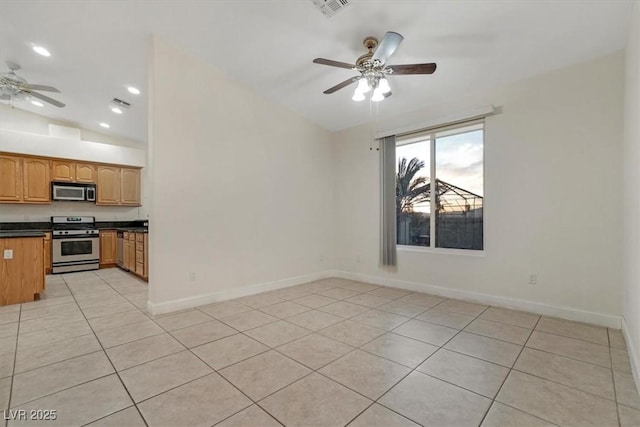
column 449, row 160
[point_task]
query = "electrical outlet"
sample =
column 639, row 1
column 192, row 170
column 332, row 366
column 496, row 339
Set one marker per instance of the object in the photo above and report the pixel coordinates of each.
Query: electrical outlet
column 192, row 276
column 533, row 279
column 8, row 254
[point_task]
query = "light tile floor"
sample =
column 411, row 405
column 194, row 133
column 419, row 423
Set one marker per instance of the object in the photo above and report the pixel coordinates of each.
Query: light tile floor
column 328, row 353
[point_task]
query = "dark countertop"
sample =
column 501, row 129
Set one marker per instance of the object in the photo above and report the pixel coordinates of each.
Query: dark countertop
column 46, row 226
column 20, row 233
column 134, row 229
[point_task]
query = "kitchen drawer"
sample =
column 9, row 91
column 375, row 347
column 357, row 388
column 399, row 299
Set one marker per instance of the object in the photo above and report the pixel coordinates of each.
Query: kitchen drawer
column 139, row 268
column 139, row 257
column 140, row 237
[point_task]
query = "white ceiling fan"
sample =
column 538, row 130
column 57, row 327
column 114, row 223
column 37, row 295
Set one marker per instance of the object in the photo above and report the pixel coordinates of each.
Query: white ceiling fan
column 14, row 87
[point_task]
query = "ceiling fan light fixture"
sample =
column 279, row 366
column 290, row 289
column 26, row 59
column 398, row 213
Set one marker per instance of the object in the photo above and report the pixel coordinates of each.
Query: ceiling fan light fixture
column 377, row 95
column 358, row 96
column 133, row 90
column 363, row 86
column 41, row 51
column 116, row 110
column 383, row 86
column 37, row 103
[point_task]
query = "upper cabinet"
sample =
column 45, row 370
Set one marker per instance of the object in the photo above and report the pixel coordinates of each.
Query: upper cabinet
column 10, row 179
column 24, row 179
column 130, row 186
column 63, row 170
column 86, row 172
column 67, row 170
column 118, row 186
column 36, row 180
column 108, row 185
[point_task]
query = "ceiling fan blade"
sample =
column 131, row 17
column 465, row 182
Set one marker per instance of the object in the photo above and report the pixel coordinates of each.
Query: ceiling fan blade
column 41, row 87
column 46, row 99
column 387, row 46
column 333, row 63
column 414, row 68
column 388, row 94
column 342, row 85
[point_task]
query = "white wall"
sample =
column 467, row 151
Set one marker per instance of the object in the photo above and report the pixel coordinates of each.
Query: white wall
column 241, row 188
column 552, row 195
column 27, row 133
column 28, row 122
column 631, row 206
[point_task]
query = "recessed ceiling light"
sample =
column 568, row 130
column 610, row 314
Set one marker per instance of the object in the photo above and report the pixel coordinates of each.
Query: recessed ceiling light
column 116, row 110
column 37, row 103
column 134, row 90
column 41, row 51
column 105, row 125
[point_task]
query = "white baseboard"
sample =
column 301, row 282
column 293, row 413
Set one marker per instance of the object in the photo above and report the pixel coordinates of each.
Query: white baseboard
column 198, row 300
column 569, row 313
column 634, row 353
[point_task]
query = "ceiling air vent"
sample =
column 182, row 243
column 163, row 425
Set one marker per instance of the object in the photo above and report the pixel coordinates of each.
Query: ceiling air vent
column 330, row 7
column 121, row 103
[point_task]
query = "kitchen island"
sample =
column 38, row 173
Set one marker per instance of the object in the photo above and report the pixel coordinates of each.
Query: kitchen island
column 21, row 266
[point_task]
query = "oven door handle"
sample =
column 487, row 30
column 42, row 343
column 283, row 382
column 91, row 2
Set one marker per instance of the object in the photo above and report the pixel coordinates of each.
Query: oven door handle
column 80, row 236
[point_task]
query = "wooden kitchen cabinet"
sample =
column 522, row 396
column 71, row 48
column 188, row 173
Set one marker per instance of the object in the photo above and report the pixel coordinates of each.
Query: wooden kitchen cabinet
column 10, row 178
column 86, row 173
column 118, row 186
column 140, row 251
column 70, row 171
column 130, row 182
column 47, row 252
column 27, row 179
column 108, row 248
column 130, row 248
column 23, row 274
column 108, row 185
column 24, row 179
column 146, row 256
column 36, row 180
column 63, row 170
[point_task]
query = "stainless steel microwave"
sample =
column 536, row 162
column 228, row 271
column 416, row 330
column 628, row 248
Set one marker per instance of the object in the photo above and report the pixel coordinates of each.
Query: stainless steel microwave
column 70, row 191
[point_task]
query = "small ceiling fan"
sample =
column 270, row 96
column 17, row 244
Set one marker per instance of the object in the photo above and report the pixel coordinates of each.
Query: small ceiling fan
column 13, row 86
column 373, row 69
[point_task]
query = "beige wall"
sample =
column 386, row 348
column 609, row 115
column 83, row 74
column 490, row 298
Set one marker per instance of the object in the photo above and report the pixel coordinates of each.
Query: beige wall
column 631, row 201
column 552, row 187
column 241, row 188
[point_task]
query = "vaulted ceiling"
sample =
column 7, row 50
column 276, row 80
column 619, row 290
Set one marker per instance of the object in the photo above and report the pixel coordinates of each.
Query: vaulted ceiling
column 100, row 47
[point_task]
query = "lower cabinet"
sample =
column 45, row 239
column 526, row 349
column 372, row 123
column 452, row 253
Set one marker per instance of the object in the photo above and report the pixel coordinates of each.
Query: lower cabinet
column 108, row 247
column 135, row 257
column 22, row 275
column 47, row 252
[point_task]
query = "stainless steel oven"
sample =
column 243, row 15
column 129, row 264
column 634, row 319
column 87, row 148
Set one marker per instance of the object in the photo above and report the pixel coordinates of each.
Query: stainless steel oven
column 75, row 244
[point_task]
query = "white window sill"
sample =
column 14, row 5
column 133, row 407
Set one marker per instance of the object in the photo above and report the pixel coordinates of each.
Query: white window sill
column 441, row 251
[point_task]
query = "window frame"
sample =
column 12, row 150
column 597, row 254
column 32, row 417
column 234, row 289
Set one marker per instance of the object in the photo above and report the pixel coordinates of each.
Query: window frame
column 430, row 135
